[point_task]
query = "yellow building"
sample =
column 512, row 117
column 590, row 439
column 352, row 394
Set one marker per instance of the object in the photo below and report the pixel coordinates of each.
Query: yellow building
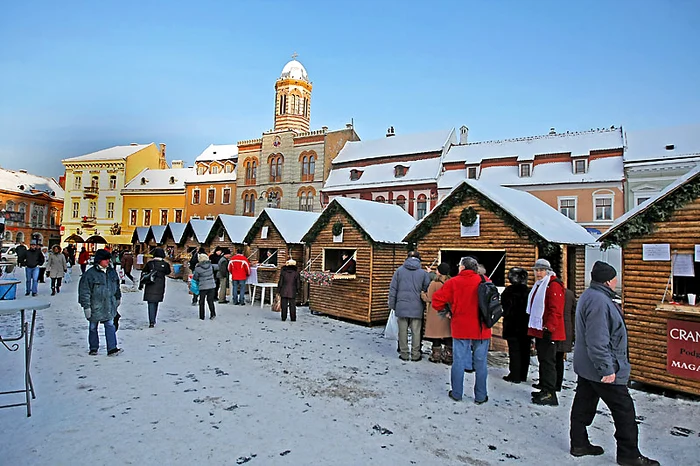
column 155, row 197
column 93, row 202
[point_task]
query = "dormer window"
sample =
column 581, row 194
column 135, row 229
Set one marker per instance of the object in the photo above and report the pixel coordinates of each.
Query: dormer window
column 201, row 170
column 172, row 180
column 144, row 180
column 670, row 146
column 355, row 174
column 471, row 173
column 525, row 170
column 400, row 171
column 580, row 166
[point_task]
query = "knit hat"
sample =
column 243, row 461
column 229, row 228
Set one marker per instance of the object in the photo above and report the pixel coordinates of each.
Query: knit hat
column 202, row 258
column 602, row 272
column 444, row 268
column 158, row 252
column 543, row 264
column 101, row 255
column 291, row 262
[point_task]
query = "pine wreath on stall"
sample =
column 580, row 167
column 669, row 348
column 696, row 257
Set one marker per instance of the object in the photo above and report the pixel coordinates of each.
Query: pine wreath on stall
column 337, row 228
column 468, row 216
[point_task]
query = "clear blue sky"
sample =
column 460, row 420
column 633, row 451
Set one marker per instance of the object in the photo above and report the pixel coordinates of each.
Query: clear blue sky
column 79, row 76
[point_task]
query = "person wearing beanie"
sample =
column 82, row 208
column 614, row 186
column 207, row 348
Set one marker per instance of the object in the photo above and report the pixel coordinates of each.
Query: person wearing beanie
column 603, row 368
column 515, row 325
column 33, row 260
column 437, row 327
column 154, row 288
column 545, row 307
column 100, row 295
column 204, row 275
column 221, row 274
column 288, row 287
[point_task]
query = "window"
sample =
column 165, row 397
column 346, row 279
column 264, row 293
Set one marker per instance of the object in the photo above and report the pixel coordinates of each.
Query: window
column 195, row 196
column 53, row 218
column 132, row 217
column 283, row 104
column 77, row 181
column 92, row 209
column 401, row 202
column 567, row 206
column 201, row 170
column 226, row 196
column 641, row 199
column 214, row 169
column 163, row 216
column 380, row 199
column 525, row 170
column 76, row 209
column 579, row 166
column 95, row 181
column 644, row 195
column 211, row 195
column 308, row 165
column 147, row 218
column 178, row 215
column 267, row 256
column 334, row 262
column 355, row 174
column 228, row 168
column 302, row 201
column 110, row 209
column 275, row 162
column 400, row 171
column 422, row 206
column 603, row 207
column 249, row 204
column 471, row 173
column 251, row 171
column 112, row 181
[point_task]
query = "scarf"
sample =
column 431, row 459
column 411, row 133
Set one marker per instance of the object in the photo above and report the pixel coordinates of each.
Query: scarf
column 535, row 301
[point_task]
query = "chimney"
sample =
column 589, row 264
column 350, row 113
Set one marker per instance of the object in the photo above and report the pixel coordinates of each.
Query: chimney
column 324, row 129
column 463, row 134
column 348, row 125
column 22, row 170
column 390, row 132
column 552, row 131
column 162, row 149
column 134, row 144
column 177, row 164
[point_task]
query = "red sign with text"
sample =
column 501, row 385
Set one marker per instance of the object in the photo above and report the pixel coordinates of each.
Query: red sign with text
column 683, row 353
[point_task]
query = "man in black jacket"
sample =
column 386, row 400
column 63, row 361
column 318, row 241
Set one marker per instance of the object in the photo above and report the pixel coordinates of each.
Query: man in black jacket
column 33, row 260
column 515, row 322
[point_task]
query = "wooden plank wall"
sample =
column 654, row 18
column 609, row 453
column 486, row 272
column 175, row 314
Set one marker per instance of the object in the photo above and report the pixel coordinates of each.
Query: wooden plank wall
column 643, row 285
column 347, row 299
column 387, row 258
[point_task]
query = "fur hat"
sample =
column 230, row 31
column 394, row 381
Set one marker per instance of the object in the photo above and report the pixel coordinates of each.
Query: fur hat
column 101, row 255
column 517, row 275
column 543, row 264
column 602, row 272
column 202, row 258
column 291, row 262
column 158, row 252
column 444, row 268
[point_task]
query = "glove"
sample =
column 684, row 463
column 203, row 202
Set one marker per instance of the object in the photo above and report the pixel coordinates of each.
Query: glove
column 87, row 312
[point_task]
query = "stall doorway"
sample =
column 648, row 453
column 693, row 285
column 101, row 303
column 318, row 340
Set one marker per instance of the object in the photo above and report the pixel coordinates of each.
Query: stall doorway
column 493, row 261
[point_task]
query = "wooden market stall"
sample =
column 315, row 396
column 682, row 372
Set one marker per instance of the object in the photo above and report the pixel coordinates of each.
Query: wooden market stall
column 193, row 237
column 138, row 242
column 660, row 276
column 274, row 238
column 154, row 237
column 175, row 253
column 372, row 234
column 502, row 228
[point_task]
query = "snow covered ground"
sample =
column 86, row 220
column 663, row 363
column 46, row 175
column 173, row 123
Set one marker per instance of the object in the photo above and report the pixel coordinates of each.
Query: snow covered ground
column 248, row 388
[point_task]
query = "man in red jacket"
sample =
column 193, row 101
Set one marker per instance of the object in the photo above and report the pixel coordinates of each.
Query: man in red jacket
column 469, row 336
column 545, row 305
column 239, row 268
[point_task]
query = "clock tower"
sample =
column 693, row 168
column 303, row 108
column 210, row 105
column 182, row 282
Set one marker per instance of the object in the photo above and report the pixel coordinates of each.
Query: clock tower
column 293, row 98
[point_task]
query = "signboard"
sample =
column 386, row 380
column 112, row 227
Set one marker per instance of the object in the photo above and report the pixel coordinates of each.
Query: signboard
column 62, row 230
column 683, row 265
column 683, row 352
column 656, row 252
column 472, row 230
column 14, row 216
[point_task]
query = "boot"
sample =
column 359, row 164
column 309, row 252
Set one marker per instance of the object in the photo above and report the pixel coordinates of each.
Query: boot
column 435, row 355
column 58, row 289
column 548, row 398
column 53, row 291
column 447, row 355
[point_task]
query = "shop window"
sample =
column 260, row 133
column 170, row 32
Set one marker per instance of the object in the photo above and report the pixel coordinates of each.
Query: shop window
column 267, row 256
column 334, row 262
column 489, row 259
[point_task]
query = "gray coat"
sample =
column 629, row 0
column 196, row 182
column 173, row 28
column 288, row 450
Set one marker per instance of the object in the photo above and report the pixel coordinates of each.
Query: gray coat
column 601, row 336
column 204, row 274
column 56, row 266
column 100, row 292
column 222, row 272
column 405, row 289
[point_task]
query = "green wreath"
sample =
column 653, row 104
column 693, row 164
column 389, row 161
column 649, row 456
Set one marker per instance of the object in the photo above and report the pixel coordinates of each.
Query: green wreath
column 337, row 228
column 468, row 216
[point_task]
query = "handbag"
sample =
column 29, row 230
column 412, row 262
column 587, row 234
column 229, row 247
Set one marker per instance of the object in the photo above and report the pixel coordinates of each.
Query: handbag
column 194, row 287
column 147, row 278
column 277, row 305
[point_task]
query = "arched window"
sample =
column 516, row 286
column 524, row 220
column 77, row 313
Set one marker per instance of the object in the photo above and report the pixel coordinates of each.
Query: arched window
column 8, row 235
column 380, row 199
column 246, row 204
column 19, row 237
column 312, row 166
column 308, row 165
column 273, row 170
column 10, row 206
column 275, row 161
column 304, row 167
column 251, row 170
column 283, row 104
column 302, row 201
column 401, row 202
column 422, row 206
column 279, row 168
column 294, row 103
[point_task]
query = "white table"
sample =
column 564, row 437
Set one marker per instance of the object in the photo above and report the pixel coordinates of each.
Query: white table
column 26, row 333
column 264, row 287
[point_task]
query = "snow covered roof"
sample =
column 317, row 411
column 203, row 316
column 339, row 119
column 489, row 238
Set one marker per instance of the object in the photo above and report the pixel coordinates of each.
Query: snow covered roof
column 158, row 180
column 419, row 171
column 209, row 177
column 384, row 223
column 580, row 143
column 176, row 231
column 236, row 226
column 140, row 234
column 532, row 212
column 294, row 70
column 401, row 144
column 662, row 143
column 451, row 178
column 668, row 190
column 113, row 153
column 157, row 232
column 292, row 224
column 218, row 152
column 201, row 228
column 22, row 182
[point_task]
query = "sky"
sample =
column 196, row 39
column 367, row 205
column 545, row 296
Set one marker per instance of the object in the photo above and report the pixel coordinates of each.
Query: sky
column 80, row 76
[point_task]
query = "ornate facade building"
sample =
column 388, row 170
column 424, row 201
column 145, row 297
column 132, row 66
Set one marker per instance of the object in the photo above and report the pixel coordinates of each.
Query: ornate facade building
column 211, row 189
column 287, row 166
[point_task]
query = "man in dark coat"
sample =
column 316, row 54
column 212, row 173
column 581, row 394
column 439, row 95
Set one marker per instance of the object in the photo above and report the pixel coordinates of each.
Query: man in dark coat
column 21, row 251
column 565, row 346
column 407, row 284
column 214, row 259
column 515, row 322
column 221, row 274
column 288, row 286
column 128, row 264
column 33, row 260
column 603, row 368
column 155, row 287
column 100, row 295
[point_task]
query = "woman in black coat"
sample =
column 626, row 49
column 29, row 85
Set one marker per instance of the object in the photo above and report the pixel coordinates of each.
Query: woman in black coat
column 566, row 346
column 155, row 288
column 515, row 323
column 288, row 286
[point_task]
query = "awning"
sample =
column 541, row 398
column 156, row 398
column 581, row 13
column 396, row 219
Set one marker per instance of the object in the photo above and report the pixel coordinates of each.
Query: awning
column 96, row 239
column 75, row 238
column 117, row 239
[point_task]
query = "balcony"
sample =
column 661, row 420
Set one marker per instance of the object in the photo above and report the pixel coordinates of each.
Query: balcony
column 91, row 192
column 89, row 221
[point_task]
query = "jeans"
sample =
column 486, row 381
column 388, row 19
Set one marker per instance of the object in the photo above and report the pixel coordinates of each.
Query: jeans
column 209, row 296
column 238, row 294
column 152, row 312
column 519, row 357
column 32, row 276
column 222, row 288
column 462, row 350
column 621, row 406
column 289, row 304
column 110, row 335
column 415, row 324
column 546, row 354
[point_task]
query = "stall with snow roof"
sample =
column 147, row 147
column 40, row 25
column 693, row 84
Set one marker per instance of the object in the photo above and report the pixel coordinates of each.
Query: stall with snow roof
column 660, row 241
column 371, row 235
column 229, row 231
column 195, row 236
column 502, row 228
column 154, row 237
column 138, row 241
column 172, row 241
column 274, row 238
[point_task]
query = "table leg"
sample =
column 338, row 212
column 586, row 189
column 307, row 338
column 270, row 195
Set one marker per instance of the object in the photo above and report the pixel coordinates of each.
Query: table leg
column 29, row 356
column 26, row 366
column 262, row 297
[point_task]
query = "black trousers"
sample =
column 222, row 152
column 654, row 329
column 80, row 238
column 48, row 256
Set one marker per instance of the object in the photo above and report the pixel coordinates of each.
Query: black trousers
column 618, row 400
column 519, row 357
column 56, row 282
column 289, row 305
column 546, row 356
column 209, row 296
column 559, row 359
